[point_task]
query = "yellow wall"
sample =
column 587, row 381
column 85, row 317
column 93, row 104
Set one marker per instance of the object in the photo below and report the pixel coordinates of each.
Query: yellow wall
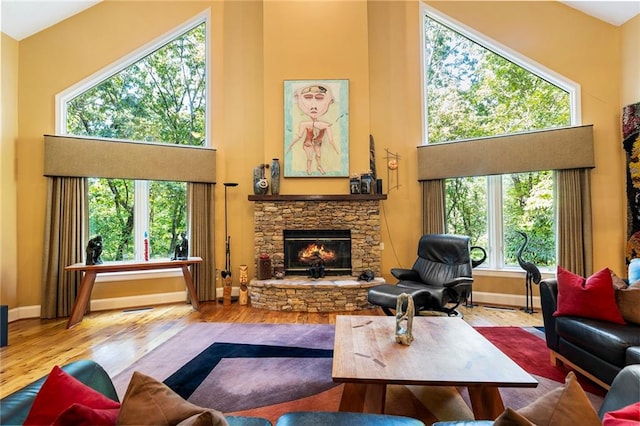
column 631, row 61
column 375, row 45
column 8, row 183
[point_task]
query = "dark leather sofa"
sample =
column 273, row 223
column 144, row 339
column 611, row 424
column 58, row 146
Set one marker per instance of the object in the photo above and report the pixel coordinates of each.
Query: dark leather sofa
column 15, row 407
column 597, row 349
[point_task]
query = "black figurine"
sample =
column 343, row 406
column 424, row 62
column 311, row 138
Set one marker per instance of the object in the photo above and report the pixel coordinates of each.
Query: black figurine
column 181, row 251
column 94, row 251
column 316, row 270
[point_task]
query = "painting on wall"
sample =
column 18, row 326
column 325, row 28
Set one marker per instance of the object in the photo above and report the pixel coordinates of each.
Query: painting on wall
column 316, row 128
column 631, row 145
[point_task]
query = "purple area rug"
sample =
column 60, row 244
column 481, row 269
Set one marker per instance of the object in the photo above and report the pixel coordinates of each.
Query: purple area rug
column 267, row 370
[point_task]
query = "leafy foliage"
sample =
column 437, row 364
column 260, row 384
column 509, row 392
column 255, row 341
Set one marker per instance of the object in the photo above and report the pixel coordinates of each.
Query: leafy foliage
column 161, row 98
column 473, row 92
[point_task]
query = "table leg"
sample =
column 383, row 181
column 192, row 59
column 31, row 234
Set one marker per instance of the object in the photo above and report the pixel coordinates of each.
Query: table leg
column 82, row 299
column 363, row 398
column 191, row 289
column 486, row 402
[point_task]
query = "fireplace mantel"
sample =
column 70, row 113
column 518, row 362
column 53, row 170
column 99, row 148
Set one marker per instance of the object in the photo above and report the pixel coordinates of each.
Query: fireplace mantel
column 319, row 197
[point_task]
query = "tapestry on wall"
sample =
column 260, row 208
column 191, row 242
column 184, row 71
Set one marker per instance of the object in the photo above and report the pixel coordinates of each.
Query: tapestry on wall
column 631, row 143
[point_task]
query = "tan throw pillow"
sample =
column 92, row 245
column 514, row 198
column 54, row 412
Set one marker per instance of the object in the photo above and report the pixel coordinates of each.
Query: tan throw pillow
column 510, row 417
column 628, row 301
column 150, row 402
column 618, row 283
column 566, row 405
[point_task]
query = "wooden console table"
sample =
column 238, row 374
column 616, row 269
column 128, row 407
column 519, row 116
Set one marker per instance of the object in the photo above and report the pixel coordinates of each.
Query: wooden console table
column 90, row 272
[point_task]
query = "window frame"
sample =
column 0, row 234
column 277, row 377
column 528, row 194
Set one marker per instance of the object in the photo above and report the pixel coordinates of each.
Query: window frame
column 495, row 265
column 141, row 187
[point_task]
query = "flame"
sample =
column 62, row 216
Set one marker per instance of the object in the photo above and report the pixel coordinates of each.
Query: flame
column 313, row 250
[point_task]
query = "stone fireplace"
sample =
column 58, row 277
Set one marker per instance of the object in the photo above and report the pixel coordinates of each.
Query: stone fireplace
column 358, row 213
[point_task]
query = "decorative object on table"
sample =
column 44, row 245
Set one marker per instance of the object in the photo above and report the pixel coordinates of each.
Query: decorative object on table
column 244, row 291
column 278, row 272
column 366, row 183
column 275, row 176
column 226, row 273
column 260, row 182
column 146, row 246
column 393, row 162
column 181, row 250
column 316, row 266
column 94, row 251
column 354, row 184
column 404, row 320
column 533, row 275
column 316, row 128
column 264, row 267
column 631, row 145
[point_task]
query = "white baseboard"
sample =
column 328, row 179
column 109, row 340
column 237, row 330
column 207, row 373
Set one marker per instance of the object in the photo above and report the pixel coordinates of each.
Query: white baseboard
column 504, row 299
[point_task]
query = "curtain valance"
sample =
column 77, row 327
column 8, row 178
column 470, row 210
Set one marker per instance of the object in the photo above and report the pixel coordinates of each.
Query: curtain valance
column 557, row 149
column 73, row 156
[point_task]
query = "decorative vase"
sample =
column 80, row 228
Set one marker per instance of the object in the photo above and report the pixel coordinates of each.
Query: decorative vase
column 275, row 176
column 264, row 267
column 260, row 182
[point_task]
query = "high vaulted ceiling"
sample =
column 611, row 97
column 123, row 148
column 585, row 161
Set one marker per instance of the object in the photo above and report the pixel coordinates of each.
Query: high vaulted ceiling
column 22, row 18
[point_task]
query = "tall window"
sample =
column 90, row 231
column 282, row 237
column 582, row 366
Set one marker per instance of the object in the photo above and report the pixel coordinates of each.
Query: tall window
column 471, row 92
column 159, row 98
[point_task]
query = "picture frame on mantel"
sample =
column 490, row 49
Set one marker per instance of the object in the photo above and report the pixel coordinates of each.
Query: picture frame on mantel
column 316, row 128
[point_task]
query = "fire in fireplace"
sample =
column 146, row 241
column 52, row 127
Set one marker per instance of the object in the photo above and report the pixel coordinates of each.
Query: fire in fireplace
column 304, row 247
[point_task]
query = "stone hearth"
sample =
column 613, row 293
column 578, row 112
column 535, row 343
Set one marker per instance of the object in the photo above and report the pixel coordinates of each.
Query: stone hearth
column 300, row 294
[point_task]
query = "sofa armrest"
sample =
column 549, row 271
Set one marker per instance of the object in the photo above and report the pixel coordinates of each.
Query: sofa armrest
column 16, row 406
column 549, row 302
column 625, row 390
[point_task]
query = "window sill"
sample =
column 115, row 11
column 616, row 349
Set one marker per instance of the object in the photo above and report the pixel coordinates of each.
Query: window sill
column 508, row 273
column 138, row 275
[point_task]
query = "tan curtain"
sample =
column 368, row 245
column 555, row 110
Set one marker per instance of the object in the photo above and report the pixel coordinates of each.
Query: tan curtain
column 201, row 216
column 66, row 228
column 573, row 203
column 433, row 206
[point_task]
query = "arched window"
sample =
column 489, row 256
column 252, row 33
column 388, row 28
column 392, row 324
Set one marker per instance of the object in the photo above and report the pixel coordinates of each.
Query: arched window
column 475, row 88
column 157, row 94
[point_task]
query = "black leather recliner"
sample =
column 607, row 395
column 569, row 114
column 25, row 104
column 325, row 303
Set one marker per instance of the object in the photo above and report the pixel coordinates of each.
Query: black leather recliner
column 439, row 278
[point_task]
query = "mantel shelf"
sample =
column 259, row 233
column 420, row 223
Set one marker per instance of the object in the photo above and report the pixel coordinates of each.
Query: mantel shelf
column 319, row 197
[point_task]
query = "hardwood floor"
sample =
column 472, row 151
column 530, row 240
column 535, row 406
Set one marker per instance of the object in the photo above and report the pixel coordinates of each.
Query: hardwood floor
column 115, row 339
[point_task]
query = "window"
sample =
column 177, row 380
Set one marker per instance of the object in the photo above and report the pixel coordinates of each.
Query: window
column 471, row 91
column 161, row 97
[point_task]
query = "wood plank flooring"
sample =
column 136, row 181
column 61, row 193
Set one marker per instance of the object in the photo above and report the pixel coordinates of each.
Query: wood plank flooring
column 115, row 339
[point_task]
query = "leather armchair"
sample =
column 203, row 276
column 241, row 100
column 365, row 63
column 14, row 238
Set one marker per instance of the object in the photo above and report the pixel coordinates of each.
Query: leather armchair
column 441, row 276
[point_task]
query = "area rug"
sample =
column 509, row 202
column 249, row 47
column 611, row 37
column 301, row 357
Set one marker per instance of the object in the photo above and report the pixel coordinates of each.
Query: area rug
column 267, row 370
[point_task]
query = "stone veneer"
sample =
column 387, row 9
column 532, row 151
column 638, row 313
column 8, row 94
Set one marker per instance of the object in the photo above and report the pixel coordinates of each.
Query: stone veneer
column 360, row 216
column 330, row 294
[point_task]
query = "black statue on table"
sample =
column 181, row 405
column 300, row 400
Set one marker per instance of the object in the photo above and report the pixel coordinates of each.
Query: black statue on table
column 181, row 252
column 94, row 251
column 533, row 274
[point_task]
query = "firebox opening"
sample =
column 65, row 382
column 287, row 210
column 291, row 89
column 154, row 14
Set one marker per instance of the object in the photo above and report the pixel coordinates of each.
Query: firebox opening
column 303, row 247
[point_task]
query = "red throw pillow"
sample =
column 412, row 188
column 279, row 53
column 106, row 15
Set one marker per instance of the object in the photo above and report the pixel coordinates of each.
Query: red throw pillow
column 59, row 392
column 626, row 416
column 593, row 297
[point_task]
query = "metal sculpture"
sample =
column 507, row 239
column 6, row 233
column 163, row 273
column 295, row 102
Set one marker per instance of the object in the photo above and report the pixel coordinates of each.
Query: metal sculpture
column 533, row 274
column 226, row 273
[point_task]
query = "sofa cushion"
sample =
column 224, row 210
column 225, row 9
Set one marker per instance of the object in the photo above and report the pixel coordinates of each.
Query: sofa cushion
column 565, row 405
column 81, row 415
column 59, row 392
column 593, row 297
column 150, row 402
column 628, row 301
column 605, row 340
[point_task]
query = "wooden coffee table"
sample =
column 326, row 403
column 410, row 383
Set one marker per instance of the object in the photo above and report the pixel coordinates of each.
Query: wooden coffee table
column 445, row 352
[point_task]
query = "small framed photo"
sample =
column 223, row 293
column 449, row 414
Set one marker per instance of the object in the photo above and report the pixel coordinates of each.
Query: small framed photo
column 316, row 128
